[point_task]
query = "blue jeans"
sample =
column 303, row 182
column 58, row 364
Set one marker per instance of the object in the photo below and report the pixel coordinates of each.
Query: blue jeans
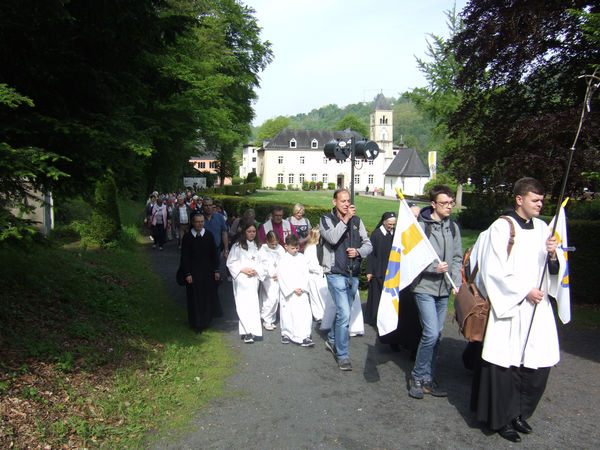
column 432, row 313
column 342, row 289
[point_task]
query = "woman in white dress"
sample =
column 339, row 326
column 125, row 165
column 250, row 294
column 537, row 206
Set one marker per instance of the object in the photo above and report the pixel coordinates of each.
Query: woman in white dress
column 245, row 269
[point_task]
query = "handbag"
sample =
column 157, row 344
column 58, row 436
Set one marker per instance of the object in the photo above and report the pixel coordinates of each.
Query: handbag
column 472, row 308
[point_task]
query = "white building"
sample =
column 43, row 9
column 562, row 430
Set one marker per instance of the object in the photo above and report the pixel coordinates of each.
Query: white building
column 294, row 156
column 249, row 160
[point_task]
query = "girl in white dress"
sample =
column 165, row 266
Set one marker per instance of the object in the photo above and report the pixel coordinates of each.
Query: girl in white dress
column 317, row 283
column 269, row 256
column 245, row 269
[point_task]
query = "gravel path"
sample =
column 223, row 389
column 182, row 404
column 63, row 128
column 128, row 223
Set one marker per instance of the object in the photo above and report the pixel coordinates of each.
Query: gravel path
column 286, row 396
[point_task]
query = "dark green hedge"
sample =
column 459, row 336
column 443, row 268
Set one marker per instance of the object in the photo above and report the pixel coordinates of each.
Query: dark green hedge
column 583, row 263
column 231, row 189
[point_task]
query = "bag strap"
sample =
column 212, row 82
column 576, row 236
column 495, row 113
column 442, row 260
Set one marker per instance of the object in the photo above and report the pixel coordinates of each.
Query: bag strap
column 511, row 242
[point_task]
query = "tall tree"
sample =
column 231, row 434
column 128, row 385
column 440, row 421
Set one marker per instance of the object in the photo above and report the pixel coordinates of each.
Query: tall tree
column 270, row 128
column 521, row 63
column 440, row 98
column 352, row 122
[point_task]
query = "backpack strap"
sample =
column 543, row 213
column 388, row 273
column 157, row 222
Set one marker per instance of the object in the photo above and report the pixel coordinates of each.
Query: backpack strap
column 511, row 242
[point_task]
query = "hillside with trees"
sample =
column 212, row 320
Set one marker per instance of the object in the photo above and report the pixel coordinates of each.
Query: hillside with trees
column 410, row 125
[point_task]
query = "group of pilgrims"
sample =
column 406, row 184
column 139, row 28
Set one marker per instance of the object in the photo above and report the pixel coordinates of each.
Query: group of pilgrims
column 278, row 281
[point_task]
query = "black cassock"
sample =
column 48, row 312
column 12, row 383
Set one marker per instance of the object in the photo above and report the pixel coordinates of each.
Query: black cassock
column 408, row 332
column 377, row 263
column 199, row 258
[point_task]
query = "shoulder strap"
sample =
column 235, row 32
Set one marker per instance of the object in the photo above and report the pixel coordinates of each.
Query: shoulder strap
column 511, row 242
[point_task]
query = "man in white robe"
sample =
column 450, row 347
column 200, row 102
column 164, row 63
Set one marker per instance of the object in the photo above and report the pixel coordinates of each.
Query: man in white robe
column 295, row 314
column 516, row 359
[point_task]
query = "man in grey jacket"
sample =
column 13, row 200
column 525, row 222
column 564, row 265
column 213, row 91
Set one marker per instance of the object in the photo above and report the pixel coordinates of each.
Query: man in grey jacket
column 432, row 287
column 345, row 243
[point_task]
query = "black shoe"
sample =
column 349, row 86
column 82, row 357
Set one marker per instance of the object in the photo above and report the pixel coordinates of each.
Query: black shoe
column 509, row 433
column 307, row 343
column 522, row 426
column 249, row 339
column 432, row 388
column 285, row 339
column 344, row 364
column 415, row 389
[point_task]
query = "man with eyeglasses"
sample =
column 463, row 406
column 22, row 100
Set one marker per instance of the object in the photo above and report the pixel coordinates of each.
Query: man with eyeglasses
column 432, row 287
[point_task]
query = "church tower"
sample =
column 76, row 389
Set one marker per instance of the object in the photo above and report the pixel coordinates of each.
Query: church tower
column 382, row 126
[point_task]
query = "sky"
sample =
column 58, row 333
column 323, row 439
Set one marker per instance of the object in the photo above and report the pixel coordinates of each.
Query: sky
column 342, row 51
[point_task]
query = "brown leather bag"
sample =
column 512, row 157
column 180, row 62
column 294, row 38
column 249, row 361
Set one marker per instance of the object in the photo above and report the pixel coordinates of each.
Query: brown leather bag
column 472, row 308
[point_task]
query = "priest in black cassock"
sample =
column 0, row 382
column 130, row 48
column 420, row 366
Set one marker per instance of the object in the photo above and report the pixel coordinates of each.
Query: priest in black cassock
column 377, row 262
column 200, row 267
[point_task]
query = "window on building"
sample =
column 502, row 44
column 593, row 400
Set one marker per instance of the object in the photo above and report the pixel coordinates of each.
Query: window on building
column 213, row 164
column 313, row 177
column 280, row 159
column 302, row 160
column 301, row 178
column 325, row 160
column 291, row 178
column 314, row 144
column 325, row 178
column 371, row 179
column 253, row 150
column 254, row 159
column 280, row 178
column 357, row 179
column 370, row 162
column 292, row 143
column 202, row 165
column 395, row 153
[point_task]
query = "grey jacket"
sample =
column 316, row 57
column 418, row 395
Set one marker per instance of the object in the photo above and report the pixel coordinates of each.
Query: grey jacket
column 445, row 239
column 336, row 234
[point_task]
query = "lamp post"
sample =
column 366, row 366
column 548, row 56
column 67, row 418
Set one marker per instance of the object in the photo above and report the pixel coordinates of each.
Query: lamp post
column 341, row 149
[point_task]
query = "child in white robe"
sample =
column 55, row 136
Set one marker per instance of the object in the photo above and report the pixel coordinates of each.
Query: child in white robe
column 245, row 269
column 269, row 256
column 295, row 315
column 317, row 283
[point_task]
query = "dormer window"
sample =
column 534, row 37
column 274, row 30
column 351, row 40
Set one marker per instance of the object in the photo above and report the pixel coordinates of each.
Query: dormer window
column 314, row 144
column 292, row 143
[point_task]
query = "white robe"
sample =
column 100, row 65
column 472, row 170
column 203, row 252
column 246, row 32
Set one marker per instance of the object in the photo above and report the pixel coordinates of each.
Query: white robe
column 269, row 288
column 357, row 322
column 317, row 283
column 295, row 315
column 245, row 288
column 506, row 283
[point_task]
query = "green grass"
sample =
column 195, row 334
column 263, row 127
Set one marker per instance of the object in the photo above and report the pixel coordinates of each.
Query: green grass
column 98, row 330
column 370, row 209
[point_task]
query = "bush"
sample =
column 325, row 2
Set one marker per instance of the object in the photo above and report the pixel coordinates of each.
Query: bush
column 319, row 185
column 312, row 185
column 305, row 186
column 441, row 178
column 251, row 177
column 280, row 187
column 258, row 183
column 290, row 187
column 483, row 209
column 106, row 220
column 582, row 276
column 237, row 180
column 69, row 210
column 331, row 186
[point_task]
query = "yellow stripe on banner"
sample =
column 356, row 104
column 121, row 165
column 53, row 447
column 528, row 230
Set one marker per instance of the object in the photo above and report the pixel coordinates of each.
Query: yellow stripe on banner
column 564, row 203
column 396, row 306
column 410, row 238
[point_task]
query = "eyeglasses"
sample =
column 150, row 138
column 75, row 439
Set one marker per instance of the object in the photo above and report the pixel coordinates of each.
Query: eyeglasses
column 446, row 204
